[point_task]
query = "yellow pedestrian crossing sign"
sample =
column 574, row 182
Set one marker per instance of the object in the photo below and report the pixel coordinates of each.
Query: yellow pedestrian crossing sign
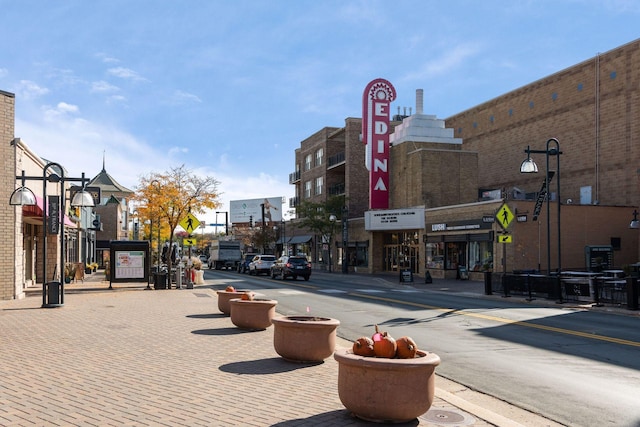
column 505, row 238
column 504, row 216
column 189, row 242
column 190, row 223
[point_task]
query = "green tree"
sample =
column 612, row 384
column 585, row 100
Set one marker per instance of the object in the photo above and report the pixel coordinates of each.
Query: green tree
column 321, row 218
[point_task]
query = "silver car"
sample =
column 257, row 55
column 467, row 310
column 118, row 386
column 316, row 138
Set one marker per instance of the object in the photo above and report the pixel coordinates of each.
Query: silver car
column 261, row 264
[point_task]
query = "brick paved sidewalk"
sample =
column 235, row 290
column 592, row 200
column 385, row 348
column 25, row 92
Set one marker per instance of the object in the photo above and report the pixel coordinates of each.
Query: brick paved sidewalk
column 169, row 358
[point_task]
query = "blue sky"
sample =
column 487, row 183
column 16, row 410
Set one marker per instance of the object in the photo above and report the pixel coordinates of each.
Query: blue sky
column 230, row 88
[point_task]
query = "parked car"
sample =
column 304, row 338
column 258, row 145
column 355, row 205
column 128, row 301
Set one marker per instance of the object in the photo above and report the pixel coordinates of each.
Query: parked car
column 291, row 266
column 243, row 266
column 203, row 259
column 261, row 264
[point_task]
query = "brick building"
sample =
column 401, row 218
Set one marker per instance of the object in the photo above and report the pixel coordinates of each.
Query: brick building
column 456, row 174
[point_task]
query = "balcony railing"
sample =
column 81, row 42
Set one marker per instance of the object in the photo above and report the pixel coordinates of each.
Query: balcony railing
column 294, row 177
column 336, row 160
column 337, row 189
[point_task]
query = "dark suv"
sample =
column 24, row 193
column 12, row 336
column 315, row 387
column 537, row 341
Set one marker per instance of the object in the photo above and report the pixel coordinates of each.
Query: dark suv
column 291, row 266
column 243, row 266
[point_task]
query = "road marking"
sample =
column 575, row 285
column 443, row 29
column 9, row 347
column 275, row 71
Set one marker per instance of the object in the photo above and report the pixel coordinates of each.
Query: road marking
column 505, row 321
column 332, row 291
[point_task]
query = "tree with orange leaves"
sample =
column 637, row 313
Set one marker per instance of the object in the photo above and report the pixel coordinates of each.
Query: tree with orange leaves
column 168, row 197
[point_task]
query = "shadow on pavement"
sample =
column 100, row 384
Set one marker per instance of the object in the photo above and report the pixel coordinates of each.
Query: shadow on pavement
column 329, row 418
column 272, row 365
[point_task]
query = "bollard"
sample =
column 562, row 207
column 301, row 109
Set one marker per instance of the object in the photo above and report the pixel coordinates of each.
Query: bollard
column 632, row 293
column 487, row 283
column 179, row 276
column 505, row 286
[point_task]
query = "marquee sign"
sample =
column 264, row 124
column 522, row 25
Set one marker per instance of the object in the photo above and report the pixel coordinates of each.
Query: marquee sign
column 376, row 101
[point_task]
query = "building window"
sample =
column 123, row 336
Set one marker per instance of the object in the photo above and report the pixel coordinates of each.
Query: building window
column 580, row 86
column 319, row 185
column 307, row 162
column 307, row 189
column 319, row 156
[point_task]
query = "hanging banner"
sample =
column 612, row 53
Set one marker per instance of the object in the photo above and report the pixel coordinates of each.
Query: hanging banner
column 53, row 219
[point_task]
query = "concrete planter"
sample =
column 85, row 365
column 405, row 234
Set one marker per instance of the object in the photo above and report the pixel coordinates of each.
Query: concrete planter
column 225, row 296
column 304, row 338
column 386, row 390
column 252, row 315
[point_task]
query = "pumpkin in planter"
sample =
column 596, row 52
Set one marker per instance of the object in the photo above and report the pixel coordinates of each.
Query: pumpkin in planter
column 247, row 296
column 363, row 346
column 406, row 348
column 384, row 345
column 230, row 289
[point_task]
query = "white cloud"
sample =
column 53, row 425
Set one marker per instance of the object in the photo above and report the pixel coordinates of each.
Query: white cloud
column 30, row 90
column 126, row 73
column 106, row 58
column 180, row 97
column 52, row 114
column 449, row 60
column 102, row 86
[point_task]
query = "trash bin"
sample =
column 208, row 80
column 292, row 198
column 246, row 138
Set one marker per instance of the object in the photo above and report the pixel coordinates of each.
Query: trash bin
column 159, row 280
column 53, row 294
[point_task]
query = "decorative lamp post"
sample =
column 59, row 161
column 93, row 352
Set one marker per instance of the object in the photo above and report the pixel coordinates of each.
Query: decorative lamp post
column 332, row 219
column 52, row 292
column 345, row 240
column 157, row 185
column 529, row 166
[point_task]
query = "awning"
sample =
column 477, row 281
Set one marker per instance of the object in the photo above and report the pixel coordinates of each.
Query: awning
column 36, row 211
column 299, row 239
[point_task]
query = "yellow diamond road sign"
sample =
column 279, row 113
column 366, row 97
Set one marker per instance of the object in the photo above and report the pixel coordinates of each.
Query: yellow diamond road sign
column 190, row 223
column 504, row 216
column 189, row 242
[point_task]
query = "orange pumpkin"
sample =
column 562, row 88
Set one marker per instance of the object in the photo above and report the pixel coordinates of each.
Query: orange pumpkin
column 363, row 346
column 247, row 296
column 384, row 345
column 406, row 348
column 230, row 289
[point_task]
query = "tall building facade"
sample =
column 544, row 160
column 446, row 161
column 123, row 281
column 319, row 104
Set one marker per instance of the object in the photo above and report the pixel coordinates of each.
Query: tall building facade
column 455, row 175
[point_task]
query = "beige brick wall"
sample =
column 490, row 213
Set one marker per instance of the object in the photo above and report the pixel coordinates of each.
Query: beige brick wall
column 593, row 108
column 11, row 250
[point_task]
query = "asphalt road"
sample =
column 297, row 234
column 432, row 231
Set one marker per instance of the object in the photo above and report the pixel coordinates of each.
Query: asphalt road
column 572, row 365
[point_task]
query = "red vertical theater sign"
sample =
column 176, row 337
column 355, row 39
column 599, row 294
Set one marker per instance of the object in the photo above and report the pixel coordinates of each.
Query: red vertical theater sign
column 376, row 101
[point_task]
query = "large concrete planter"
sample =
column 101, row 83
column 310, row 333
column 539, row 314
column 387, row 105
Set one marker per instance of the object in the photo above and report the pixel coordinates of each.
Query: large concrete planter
column 225, row 296
column 304, row 338
column 254, row 315
column 386, row 390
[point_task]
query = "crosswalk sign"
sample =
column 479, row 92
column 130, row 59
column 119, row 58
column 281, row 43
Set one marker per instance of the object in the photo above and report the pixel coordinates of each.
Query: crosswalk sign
column 190, row 223
column 504, row 216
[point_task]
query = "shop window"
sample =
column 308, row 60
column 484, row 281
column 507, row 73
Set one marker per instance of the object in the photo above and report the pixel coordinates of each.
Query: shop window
column 455, row 255
column 434, row 255
column 480, row 256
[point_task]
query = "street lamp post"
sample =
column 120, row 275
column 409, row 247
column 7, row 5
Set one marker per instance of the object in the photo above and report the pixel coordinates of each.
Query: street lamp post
column 226, row 222
column 157, row 185
column 52, row 292
column 332, row 219
column 529, row 166
column 345, row 240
